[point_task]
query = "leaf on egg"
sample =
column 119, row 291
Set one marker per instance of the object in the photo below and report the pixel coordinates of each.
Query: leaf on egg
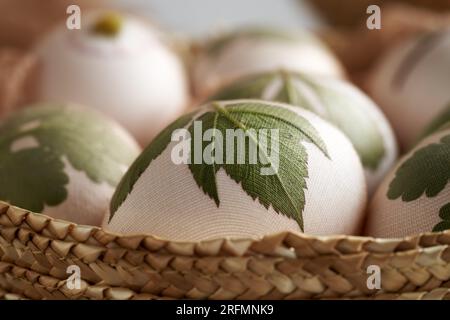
column 86, row 139
column 444, row 214
column 354, row 121
column 283, row 190
column 288, row 93
column 22, row 176
column 152, row 151
column 427, row 172
column 300, row 90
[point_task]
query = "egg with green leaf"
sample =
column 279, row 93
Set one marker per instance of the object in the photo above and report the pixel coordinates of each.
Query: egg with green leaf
column 335, row 100
column 232, row 55
column 411, row 84
column 63, row 161
column 242, row 168
column 415, row 196
column 118, row 64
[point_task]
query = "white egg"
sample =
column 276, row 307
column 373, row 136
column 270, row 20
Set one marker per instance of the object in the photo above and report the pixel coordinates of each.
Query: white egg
column 119, row 65
column 411, row 83
column 305, row 176
column 335, row 100
column 250, row 51
column 415, row 196
column 64, row 161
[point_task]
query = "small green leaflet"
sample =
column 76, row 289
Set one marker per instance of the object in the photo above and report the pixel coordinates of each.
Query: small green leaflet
column 426, row 172
column 34, row 177
column 359, row 128
column 283, row 191
column 43, row 183
column 444, row 214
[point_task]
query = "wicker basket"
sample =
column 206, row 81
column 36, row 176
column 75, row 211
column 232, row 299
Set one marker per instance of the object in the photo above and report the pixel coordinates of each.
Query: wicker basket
column 35, row 252
column 351, row 13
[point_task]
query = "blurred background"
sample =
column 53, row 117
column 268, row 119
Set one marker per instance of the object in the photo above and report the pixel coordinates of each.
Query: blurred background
column 199, row 17
column 341, row 24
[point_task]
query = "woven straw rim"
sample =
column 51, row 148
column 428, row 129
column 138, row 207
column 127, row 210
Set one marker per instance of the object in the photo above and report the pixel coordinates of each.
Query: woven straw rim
column 285, row 244
column 35, row 251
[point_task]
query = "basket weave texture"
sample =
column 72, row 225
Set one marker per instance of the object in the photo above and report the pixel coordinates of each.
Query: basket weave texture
column 35, row 252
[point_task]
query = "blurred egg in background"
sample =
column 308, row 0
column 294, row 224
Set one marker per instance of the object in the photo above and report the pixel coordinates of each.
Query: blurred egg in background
column 411, row 81
column 116, row 63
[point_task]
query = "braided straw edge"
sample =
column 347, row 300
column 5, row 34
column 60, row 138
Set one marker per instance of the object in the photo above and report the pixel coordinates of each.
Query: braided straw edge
column 285, row 244
column 35, row 251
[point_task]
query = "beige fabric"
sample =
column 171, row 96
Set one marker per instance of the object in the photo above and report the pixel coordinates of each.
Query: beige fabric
column 167, row 202
column 395, row 218
column 86, row 200
column 424, row 94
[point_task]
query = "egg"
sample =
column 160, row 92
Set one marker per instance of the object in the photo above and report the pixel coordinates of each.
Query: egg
column 119, row 65
column 335, row 100
column 411, row 83
column 242, row 168
column 254, row 50
column 63, row 161
column 414, row 197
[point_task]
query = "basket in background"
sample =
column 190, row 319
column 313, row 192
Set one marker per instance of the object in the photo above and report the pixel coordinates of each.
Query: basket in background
column 351, row 13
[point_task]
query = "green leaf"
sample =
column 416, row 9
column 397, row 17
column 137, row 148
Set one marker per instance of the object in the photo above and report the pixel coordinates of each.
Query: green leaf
column 288, row 93
column 426, row 172
column 444, row 214
column 85, row 139
column 153, row 150
column 336, row 107
column 354, row 121
column 32, row 178
column 284, row 191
